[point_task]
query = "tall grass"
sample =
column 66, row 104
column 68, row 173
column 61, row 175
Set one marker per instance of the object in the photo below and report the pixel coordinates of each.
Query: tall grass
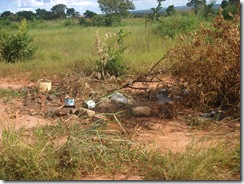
column 63, row 48
column 70, row 153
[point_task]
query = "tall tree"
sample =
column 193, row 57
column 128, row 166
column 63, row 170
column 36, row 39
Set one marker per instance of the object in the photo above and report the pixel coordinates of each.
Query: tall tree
column 170, row 10
column 28, row 15
column 59, row 11
column 44, row 14
column 230, row 6
column 207, row 8
column 6, row 14
column 70, row 12
column 89, row 14
column 120, row 7
column 195, row 4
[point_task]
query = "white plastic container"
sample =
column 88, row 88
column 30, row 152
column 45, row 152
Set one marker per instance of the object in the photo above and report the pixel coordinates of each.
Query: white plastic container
column 44, row 85
column 69, row 102
column 90, row 104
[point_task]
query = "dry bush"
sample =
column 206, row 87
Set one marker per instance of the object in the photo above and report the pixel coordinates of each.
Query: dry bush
column 209, row 66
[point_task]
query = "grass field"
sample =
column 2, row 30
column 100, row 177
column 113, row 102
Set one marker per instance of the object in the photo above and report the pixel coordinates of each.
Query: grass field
column 61, row 48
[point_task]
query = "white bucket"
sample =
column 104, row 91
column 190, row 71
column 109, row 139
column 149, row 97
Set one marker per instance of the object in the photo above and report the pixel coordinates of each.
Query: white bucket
column 44, row 85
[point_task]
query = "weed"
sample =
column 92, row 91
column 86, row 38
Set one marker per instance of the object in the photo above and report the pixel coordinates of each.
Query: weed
column 110, row 61
column 9, row 94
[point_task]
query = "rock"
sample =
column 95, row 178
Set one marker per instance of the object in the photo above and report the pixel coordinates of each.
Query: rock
column 53, row 100
column 61, row 112
column 51, row 97
column 119, row 98
column 85, row 112
column 106, row 105
column 141, row 111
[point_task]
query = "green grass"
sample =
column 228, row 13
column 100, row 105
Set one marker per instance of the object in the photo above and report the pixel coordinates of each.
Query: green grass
column 9, row 93
column 39, row 155
column 61, row 48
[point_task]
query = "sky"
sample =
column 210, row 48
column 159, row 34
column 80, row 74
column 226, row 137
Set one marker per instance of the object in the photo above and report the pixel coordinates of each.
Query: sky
column 79, row 5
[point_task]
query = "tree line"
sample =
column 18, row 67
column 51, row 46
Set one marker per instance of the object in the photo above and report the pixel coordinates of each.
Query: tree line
column 113, row 11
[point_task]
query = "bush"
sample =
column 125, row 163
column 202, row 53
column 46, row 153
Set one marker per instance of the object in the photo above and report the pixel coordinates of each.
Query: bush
column 230, row 8
column 98, row 20
column 178, row 24
column 209, row 66
column 110, row 62
column 15, row 47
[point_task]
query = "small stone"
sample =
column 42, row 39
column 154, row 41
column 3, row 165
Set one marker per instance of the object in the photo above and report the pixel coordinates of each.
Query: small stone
column 106, row 105
column 142, row 111
column 61, row 112
column 85, row 112
column 119, row 98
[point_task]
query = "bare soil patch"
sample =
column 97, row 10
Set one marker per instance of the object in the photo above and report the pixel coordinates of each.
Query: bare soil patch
column 151, row 132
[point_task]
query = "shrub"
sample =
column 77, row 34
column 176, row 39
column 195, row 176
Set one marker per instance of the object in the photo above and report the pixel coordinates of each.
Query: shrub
column 110, row 62
column 178, row 24
column 98, row 20
column 15, row 47
column 209, row 66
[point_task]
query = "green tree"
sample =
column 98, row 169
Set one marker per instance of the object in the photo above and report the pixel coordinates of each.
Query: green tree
column 70, row 12
column 59, row 11
column 229, row 6
column 28, row 15
column 195, row 4
column 170, row 10
column 224, row 3
column 115, row 9
column 89, row 14
column 120, row 7
column 207, row 8
column 6, row 14
column 41, row 13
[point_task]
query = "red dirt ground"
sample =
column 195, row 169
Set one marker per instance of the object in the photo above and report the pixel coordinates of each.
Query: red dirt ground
column 151, row 132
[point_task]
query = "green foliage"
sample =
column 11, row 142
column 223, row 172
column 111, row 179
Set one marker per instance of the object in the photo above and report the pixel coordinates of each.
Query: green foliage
column 110, row 61
column 89, row 14
column 108, row 20
column 112, row 19
column 170, row 10
column 15, row 47
column 70, row 12
column 120, row 7
column 84, row 22
column 59, row 11
column 207, row 10
column 196, row 5
column 98, row 20
column 178, row 24
column 28, row 15
column 114, row 10
column 230, row 8
column 69, row 23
